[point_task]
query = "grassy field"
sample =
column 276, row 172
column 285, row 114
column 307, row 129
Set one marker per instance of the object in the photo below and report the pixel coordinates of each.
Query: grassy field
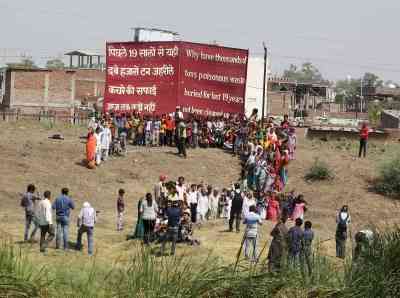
column 29, row 156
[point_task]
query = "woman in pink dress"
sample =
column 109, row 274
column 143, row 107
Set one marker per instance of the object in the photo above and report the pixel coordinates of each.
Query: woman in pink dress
column 273, row 208
column 299, row 208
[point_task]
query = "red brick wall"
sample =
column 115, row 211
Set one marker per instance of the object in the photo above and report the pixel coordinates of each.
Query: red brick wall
column 28, row 88
column 59, row 87
column 279, row 103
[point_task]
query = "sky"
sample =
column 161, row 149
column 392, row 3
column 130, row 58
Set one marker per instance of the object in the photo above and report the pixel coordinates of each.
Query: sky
column 342, row 37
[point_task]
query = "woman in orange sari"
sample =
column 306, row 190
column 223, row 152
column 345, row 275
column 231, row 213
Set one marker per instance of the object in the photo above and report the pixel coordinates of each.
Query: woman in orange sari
column 91, row 149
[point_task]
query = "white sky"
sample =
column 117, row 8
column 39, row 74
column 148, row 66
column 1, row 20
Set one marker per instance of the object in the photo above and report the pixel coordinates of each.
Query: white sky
column 342, row 37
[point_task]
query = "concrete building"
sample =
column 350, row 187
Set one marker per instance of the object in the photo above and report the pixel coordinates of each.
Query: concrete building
column 254, row 84
column 34, row 90
column 287, row 96
column 390, row 119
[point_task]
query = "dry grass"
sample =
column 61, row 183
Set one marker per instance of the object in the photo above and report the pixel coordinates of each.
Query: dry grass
column 29, row 156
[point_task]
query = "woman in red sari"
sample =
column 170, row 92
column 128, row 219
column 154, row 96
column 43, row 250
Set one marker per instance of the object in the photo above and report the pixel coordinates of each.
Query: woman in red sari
column 273, row 208
column 91, row 149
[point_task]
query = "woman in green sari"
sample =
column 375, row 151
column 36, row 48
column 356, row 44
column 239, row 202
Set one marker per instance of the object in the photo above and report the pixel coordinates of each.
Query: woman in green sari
column 138, row 232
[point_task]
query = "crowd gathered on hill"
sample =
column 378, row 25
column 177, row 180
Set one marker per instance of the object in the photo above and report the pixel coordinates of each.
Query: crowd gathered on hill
column 173, row 210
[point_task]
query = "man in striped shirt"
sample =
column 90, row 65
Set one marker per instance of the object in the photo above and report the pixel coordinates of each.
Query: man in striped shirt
column 252, row 220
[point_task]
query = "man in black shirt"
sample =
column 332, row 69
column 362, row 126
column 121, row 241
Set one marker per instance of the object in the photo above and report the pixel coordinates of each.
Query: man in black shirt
column 236, row 208
column 173, row 214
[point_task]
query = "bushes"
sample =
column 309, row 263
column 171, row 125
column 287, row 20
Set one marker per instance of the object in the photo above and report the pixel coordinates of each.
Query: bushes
column 388, row 181
column 319, row 171
column 377, row 274
column 18, row 278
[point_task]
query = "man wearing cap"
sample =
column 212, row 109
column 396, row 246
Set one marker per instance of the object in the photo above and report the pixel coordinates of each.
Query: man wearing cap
column 159, row 189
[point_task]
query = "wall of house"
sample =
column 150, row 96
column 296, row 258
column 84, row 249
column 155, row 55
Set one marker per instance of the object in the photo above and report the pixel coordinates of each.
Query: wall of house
column 35, row 90
column 389, row 121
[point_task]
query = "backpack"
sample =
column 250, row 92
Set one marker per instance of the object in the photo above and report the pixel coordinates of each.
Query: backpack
column 24, row 201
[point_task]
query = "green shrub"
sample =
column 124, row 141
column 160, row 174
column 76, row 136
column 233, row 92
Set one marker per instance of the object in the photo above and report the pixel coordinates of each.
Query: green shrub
column 388, row 181
column 319, row 171
column 18, row 278
column 377, row 272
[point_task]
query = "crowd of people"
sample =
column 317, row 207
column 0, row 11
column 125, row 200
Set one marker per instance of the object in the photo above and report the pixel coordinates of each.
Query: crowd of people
column 111, row 133
column 172, row 210
column 39, row 214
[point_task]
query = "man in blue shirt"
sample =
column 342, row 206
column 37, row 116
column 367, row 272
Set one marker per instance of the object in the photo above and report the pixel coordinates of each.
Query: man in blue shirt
column 63, row 204
column 296, row 238
column 174, row 214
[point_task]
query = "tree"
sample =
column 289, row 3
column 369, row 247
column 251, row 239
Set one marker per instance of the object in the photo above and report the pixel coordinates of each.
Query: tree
column 55, row 64
column 370, row 79
column 306, row 73
column 24, row 63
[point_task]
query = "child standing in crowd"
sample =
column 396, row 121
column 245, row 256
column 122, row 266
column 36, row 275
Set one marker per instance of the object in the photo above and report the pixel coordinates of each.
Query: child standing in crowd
column 120, row 210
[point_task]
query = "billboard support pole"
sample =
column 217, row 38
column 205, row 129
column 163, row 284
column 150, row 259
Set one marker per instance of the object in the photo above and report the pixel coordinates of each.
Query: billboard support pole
column 264, row 83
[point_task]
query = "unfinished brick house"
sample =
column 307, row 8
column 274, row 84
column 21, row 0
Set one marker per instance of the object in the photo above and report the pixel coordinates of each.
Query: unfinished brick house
column 39, row 89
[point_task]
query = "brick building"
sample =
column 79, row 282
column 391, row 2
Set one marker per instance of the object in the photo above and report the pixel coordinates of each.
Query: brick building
column 286, row 96
column 33, row 90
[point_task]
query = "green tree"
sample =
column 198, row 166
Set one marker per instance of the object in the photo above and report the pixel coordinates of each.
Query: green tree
column 56, row 63
column 370, row 79
column 307, row 72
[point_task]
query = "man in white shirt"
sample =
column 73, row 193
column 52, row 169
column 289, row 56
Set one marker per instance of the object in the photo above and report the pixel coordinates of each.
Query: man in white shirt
column 177, row 115
column 192, row 201
column 181, row 188
column 106, row 139
column 45, row 221
column 86, row 222
column 98, row 136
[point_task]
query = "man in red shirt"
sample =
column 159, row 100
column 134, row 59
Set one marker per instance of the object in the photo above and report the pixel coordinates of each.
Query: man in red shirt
column 363, row 139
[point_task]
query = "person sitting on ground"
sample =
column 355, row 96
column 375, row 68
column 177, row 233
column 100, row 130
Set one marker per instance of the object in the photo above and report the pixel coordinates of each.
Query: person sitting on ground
column 364, row 240
column 187, row 229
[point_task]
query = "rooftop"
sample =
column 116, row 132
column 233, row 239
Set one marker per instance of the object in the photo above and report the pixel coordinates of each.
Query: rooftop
column 394, row 113
column 84, row 53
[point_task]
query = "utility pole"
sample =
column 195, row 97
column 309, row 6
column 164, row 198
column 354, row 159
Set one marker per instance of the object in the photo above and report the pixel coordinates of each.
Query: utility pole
column 361, row 94
column 264, row 83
